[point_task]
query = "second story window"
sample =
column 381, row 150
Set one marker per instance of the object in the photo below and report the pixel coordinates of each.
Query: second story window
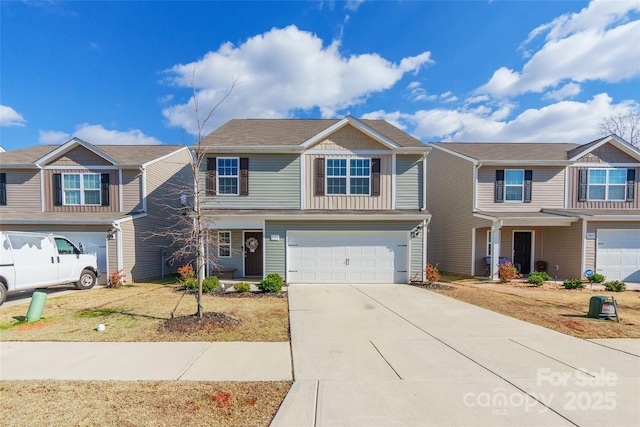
column 607, row 184
column 81, row 189
column 354, row 179
column 228, row 175
column 513, row 185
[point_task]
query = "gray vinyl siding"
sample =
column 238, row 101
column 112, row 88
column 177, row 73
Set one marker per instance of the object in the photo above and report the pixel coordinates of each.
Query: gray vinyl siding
column 409, row 182
column 275, row 260
column 23, row 191
column 450, row 203
column 547, row 190
column 563, row 248
column 274, row 183
column 593, row 227
column 416, row 262
column 574, row 188
column 237, row 253
column 131, row 191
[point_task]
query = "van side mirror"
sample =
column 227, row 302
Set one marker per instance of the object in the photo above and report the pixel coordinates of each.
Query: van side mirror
column 81, row 247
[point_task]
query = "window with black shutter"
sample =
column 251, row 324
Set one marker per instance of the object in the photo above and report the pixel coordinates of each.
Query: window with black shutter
column 319, row 174
column 3, row 189
column 631, row 184
column 211, row 176
column 528, row 185
column 499, row 186
column 57, row 189
column 104, row 189
column 375, row 177
column 244, row 176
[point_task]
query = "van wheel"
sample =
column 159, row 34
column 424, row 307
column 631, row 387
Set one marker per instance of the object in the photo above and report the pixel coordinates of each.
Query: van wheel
column 3, row 293
column 87, row 280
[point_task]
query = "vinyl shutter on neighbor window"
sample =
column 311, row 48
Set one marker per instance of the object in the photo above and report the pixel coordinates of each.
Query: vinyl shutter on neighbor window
column 244, row 176
column 499, row 186
column 631, row 184
column 319, row 166
column 583, row 185
column 211, row 176
column 375, row 177
column 104, row 189
column 528, row 184
column 57, row 189
column 3, row 189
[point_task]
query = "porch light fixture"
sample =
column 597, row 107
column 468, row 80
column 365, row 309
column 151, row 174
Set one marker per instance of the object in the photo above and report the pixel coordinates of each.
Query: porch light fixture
column 183, row 202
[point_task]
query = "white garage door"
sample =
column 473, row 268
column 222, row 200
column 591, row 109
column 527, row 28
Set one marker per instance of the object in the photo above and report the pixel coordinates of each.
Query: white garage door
column 93, row 243
column 347, row 257
column 618, row 254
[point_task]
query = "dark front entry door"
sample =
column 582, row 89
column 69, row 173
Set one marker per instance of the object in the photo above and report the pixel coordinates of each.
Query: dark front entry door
column 522, row 250
column 253, row 253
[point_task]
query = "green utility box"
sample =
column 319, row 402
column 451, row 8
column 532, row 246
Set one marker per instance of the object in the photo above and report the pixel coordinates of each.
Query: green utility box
column 37, row 305
column 601, row 307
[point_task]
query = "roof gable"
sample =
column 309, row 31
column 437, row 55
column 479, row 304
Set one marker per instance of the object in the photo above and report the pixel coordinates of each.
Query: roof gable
column 610, row 149
column 70, row 145
column 348, row 138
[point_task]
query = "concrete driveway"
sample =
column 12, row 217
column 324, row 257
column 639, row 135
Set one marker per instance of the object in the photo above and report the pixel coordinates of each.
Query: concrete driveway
column 397, row 355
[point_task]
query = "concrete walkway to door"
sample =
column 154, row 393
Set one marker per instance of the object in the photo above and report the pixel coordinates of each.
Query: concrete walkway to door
column 397, row 355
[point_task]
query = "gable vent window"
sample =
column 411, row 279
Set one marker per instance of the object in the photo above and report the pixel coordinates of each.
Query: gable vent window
column 607, row 184
column 348, row 176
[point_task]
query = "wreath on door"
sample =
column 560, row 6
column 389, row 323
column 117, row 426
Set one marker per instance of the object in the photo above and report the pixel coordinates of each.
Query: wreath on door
column 252, row 244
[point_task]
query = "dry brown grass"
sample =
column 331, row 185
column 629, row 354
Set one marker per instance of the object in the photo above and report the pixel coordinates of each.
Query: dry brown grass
column 165, row 403
column 552, row 306
column 137, row 313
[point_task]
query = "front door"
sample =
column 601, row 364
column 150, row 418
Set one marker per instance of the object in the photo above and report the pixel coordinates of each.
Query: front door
column 253, row 253
column 522, row 250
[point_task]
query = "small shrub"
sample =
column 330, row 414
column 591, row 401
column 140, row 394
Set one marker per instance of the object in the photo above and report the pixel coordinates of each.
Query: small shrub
column 573, row 284
column 507, row 272
column 432, row 273
column 186, row 272
column 210, row 284
column 242, row 287
column 272, row 283
column 615, row 286
column 191, row 283
column 116, row 279
column 538, row 278
column 596, row 278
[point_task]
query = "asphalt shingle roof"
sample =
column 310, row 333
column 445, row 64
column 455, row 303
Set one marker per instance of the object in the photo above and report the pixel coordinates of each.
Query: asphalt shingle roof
column 510, row 151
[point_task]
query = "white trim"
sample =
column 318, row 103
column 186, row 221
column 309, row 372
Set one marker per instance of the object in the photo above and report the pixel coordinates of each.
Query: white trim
column 82, row 167
column 533, row 247
column 218, row 176
column 68, row 146
column 606, row 184
column 393, row 180
column 230, row 244
column 566, row 187
column 476, row 167
column 350, row 152
column 473, row 251
column 488, row 243
column 521, row 200
column 424, row 184
column 119, row 261
column 303, row 193
column 408, row 256
column 347, row 177
column 583, row 262
column 42, row 201
column 605, row 165
column 455, row 153
column 286, row 256
column 355, row 123
column 81, row 189
column 143, row 184
column 264, row 251
column 120, row 190
column 150, row 162
column 425, row 225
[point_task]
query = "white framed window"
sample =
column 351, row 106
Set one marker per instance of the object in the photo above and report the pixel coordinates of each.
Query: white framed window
column 224, row 244
column 607, row 184
column 228, row 175
column 489, row 243
column 349, row 176
column 81, row 189
column 514, row 185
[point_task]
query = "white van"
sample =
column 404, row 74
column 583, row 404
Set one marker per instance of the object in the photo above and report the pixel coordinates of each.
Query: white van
column 35, row 260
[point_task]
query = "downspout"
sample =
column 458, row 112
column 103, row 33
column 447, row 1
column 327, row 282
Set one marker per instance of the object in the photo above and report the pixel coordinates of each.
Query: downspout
column 495, row 248
column 119, row 262
column 477, row 165
column 425, row 224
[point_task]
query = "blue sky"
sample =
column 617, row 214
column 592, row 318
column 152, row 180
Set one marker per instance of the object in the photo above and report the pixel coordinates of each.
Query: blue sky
column 118, row 72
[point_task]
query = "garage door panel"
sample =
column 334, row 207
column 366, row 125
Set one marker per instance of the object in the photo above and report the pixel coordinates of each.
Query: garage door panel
column 347, row 257
column 618, row 254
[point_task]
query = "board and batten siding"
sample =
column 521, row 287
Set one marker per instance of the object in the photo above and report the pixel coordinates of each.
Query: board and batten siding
column 114, row 198
column 80, row 157
column 607, row 154
column 450, row 203
column 409, row 182
column 381, row 202
column 593, row 227
column 574, row 181
column 348, row 138
column 275, row 260
column 547, row 190
column 23, row 191
column 274, row 183
column 131, row 190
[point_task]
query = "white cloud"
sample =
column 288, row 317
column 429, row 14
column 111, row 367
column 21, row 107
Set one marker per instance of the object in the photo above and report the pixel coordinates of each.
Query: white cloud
column 52, row 137
column 567, row 91
column 417, row 93
column 10, row 117
column 564, row 121
column 96, row 134
column 596, row 43
column 353, row 5
column 281, row 71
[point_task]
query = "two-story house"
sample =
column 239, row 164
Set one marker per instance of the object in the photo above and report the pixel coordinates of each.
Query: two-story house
column 575, row 207
column 316, row 201
column 110, row 198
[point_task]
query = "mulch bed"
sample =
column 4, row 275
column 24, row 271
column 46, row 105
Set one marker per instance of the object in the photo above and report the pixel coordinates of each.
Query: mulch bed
column 252, row 294
column 437, row 286
column 192, row 324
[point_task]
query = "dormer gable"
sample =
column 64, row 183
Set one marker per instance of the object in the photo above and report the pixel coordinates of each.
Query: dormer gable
column 76, row 152
column 611, row 149
column 349, row 134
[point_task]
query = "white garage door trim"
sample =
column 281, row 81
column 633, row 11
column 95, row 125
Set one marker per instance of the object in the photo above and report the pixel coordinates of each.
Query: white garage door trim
column 93, row 242
column 618, row 254
column 344, row 259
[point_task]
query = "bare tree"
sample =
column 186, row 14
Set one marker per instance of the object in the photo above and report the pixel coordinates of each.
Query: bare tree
column 189, row 229
column 625, row 125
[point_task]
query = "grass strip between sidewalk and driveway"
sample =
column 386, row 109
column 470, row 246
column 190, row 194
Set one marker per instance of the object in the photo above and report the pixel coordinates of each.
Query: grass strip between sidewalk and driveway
column 140, row 403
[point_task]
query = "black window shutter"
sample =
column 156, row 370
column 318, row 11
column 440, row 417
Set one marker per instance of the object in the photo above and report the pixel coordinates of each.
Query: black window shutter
column 528, row 183
column 104, row 189
column 499, row 186
column 244, row 176
column 211, row 176
column 57, row 189
column 375, row 177
column 3, row 189
column 319, row 176
column 582, row 185
column 631, row 184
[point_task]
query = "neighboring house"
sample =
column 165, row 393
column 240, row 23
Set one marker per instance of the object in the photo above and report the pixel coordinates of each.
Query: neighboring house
column 111, row 198
column 576, row 207
column 316, row 201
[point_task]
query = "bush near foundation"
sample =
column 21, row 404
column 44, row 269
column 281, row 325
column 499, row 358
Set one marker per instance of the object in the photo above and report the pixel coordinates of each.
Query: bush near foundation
column 507, row 272
column 272, row 283
column 615, row 286
column 538, row 278
column 573, row 284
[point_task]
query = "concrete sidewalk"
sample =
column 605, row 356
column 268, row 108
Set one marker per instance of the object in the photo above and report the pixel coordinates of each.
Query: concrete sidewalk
column 157, row 361
column 399, row 355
